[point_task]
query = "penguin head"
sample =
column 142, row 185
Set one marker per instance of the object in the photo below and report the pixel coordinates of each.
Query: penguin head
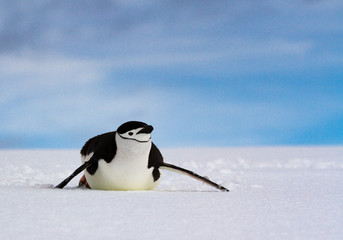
column 135, row 131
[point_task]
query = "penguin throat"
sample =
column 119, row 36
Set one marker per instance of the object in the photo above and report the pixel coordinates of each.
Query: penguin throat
column 134, row 139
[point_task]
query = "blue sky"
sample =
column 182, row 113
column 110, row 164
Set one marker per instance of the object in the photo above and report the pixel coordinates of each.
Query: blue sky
column 203, row 73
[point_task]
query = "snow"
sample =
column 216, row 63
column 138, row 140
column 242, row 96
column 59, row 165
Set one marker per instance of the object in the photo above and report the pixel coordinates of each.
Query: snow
column 275, row 193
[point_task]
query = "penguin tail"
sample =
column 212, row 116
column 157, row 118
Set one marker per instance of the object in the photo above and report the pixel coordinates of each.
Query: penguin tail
column 171, row 167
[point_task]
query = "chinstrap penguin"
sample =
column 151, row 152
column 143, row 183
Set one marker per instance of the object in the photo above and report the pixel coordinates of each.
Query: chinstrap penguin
column 125, row 159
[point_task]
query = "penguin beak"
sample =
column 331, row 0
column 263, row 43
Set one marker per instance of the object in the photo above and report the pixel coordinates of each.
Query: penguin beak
column 148, row 129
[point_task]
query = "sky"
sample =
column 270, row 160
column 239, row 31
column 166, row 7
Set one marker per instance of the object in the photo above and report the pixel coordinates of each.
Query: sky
column 203, row 73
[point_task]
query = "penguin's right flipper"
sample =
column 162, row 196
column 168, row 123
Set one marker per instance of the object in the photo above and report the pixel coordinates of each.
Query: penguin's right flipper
column 77, row 171
column 181, row 170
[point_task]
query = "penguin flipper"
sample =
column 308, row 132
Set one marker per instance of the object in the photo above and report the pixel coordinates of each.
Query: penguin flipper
column 76, row 172
column 181, row 170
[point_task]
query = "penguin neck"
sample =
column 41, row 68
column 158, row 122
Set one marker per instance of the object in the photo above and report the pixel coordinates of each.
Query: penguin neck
column 127, row 146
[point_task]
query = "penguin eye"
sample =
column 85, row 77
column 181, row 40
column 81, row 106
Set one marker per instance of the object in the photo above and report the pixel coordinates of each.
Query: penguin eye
column 130, row 133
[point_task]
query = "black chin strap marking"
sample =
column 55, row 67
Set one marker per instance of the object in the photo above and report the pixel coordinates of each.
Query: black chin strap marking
column 134, row 139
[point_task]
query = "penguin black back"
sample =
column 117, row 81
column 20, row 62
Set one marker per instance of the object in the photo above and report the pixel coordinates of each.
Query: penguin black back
column 104, row 146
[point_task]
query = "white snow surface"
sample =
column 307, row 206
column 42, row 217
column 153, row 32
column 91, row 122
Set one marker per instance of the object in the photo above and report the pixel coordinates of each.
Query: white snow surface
column 275, row 193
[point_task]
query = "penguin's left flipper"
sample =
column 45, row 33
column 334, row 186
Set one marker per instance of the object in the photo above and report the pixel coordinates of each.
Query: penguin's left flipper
column 93, row 159
column 181, row 170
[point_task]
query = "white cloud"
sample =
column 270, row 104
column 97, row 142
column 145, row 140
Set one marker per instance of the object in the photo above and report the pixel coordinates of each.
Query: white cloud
column 58, row 69
column 36, row 104
column 30, row 76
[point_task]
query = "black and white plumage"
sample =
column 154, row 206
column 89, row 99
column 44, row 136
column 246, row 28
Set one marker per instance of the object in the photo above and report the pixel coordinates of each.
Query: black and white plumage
column 126, row 159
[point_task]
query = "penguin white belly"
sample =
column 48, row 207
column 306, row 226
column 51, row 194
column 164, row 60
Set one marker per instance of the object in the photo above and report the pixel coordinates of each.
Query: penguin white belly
column 123, row 173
